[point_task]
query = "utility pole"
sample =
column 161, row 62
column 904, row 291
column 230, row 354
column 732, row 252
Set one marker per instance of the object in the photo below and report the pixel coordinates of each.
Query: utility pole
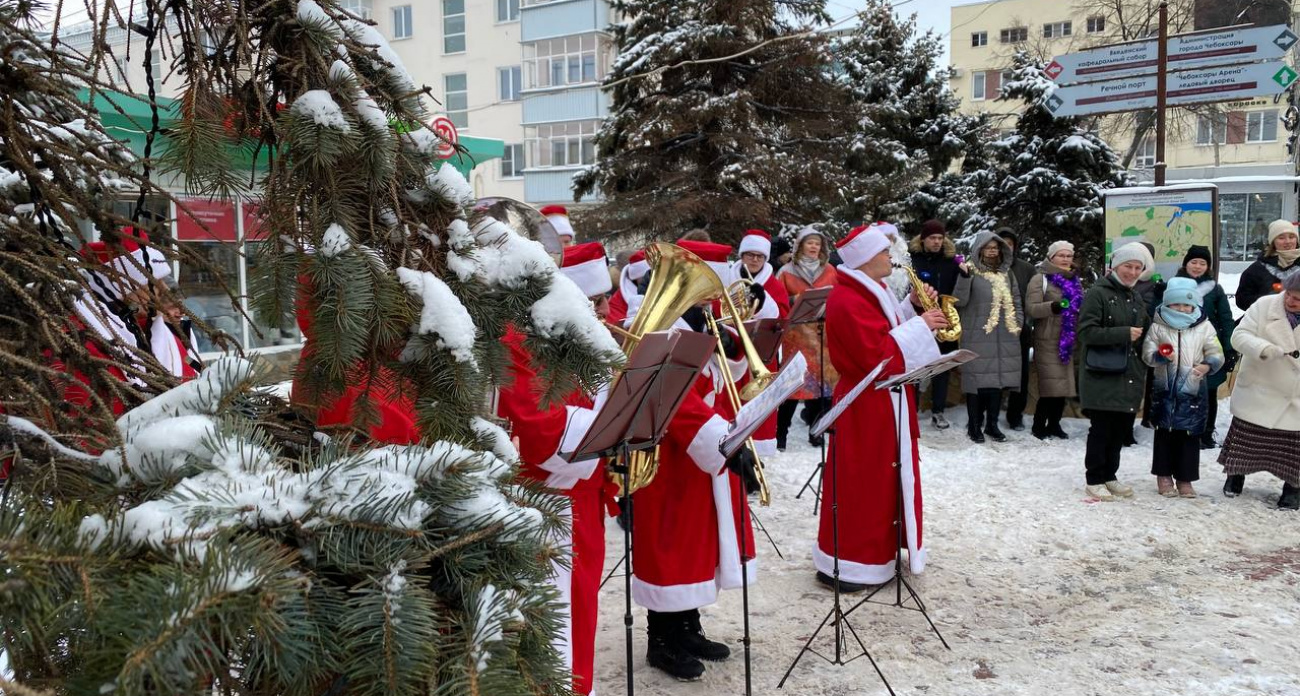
column 1162, row 75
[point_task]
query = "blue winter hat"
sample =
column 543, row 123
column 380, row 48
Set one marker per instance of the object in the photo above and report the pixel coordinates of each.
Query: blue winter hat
column 1181, row 291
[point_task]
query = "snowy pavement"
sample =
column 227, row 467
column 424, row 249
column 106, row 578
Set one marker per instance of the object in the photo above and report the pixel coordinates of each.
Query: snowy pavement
column 1037, row 589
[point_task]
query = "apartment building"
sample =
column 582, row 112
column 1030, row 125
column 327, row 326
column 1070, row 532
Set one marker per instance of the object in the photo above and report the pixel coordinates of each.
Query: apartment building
column 1240, row 147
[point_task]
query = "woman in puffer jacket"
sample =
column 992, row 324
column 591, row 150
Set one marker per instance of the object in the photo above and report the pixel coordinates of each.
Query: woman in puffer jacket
column 1183, row 348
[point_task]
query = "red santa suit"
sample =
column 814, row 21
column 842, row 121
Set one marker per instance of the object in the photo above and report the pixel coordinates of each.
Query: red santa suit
column 776, row 306
column 864, row 325
column 634, row 271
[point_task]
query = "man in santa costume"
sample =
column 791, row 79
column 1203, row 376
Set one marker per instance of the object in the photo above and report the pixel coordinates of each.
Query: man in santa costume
column 558, row 216
column 628, row 286
column 687, row 521
column 865, row 324
column 773, row 303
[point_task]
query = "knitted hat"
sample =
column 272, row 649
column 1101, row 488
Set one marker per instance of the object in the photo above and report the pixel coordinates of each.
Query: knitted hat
column 1132, row 252
column 805, row 233
column 715, row 255
column 756, row 241
column 558, row 216
column 931, row 228
column 586, row 266
column 1280, row 227
column 1058, row 246
column 862, row 244
column 1198, row 252
column 1181, row 291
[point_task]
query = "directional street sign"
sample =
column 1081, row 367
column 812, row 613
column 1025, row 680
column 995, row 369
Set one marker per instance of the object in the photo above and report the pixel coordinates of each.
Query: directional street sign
column 1228, row 83
column 1195, row 50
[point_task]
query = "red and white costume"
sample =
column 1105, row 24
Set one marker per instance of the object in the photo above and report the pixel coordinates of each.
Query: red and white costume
column 558, row 216
column 634, row 271
column 776, row 306
column 685, row 530
column 864, row 325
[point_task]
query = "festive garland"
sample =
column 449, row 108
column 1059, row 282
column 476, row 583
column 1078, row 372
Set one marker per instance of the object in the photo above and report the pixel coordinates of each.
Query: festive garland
column 1072, row 291
column 1003, row 305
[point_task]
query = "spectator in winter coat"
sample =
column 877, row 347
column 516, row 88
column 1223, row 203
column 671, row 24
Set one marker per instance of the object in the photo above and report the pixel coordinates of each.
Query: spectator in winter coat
column 988, row 302
column 1183, row 349
column 1023, row 271
column 1265, row 431
column 934, row 259
column 809, row 269
column 1273, row 267
column 1111, row 325
column 1054, row 300
column 1214, row 302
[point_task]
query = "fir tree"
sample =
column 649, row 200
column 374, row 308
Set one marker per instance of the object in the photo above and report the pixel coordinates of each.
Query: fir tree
column 723, row 117
column 217, row 542
column 1046, row 178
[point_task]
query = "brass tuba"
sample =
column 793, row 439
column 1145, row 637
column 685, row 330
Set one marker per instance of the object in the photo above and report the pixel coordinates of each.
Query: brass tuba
column 946, row 304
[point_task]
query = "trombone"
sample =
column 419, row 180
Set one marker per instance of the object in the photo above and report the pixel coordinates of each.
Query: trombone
column 764, row 493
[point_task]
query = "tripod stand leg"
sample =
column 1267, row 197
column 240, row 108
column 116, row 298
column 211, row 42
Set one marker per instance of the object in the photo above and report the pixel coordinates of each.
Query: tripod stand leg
column 770, row 540
column 807, row 646
column 612, row 572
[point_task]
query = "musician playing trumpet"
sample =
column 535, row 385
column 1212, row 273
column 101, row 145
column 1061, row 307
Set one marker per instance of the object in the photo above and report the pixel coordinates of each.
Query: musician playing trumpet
column 773, row 302
column 866, row 324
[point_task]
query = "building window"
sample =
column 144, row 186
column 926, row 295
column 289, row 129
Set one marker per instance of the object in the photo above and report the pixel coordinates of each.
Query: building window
column 508, row 83
column 507, row 10
column 512, row 161
column 979, row 38
column 986, row 84
column 1261, row 126
column 1243, row 223
column 1096, row 25
column 402, row 22
column 1212, row 129
column 1146, row 153
column 360, row 8
column 1056, row 30
column 1014, row 35
column 155, row 65
column 456, row 99
column 120, row 72
column 566, row 61
column 453, row 26
column 571, row 144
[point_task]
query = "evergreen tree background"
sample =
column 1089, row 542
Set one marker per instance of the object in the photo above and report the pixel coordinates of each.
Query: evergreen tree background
column 1045, row 179
column 699, row 136
column 217, row 542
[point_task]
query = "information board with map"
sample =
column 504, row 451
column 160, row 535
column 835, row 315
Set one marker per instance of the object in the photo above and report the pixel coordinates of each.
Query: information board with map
column 1170, row 218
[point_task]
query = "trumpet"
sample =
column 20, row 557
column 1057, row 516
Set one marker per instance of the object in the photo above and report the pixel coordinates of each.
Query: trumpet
column 764, row 493
column 946, row 304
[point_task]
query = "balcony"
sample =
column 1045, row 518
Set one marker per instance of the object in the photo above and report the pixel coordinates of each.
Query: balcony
column 573, row 104
column 562, row 18
column 552, row 186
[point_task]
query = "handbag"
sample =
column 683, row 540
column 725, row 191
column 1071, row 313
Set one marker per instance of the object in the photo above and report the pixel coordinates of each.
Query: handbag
column 1107, row 360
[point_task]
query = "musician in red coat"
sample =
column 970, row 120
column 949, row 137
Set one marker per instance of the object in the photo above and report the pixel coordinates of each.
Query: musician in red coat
column 774, row 303
column 865, row 324
column 627, row 291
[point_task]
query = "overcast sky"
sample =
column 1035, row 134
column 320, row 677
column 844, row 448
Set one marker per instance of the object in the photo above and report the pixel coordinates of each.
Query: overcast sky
column 930, row 14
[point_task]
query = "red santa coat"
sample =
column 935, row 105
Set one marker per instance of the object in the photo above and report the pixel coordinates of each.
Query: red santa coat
column 686, row 522
column 777, row 306
column 543, row 434
column 617, row 308
column 864, row 325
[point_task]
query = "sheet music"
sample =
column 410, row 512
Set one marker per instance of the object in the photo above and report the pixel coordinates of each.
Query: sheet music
column 935, row 367
column 751, row 415
column 824, row 423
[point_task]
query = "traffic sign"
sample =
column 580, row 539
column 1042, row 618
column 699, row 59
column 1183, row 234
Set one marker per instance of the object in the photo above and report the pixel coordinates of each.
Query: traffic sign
column 1185, row 87
column 1196, row 50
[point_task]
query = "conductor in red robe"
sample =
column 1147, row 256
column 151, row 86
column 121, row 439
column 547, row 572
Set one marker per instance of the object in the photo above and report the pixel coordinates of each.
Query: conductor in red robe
column 865, row 324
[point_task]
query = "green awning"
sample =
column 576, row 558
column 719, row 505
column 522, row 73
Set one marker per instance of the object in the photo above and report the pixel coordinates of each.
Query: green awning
column 479, row 150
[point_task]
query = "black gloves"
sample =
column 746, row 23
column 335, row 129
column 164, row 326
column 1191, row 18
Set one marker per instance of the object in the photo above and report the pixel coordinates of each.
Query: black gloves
column 694, row 317
column 757, row 294
column 742, row 464
column 1058, row 307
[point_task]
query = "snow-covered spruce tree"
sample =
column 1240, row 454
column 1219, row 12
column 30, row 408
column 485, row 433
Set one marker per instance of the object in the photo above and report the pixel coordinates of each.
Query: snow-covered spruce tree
column 903, row 127
column 727, row 142
column 219, row 544
column 1046, row 177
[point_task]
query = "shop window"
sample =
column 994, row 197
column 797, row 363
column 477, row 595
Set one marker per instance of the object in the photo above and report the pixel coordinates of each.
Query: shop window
column 1243, row 223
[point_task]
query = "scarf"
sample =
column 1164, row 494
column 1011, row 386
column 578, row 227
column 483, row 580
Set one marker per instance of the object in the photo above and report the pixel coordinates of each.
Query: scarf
column 1004, row 307
column 1179, row 320
column 807, row 269
column 1294, row 318
column 1072, row 291
column 1286, row 258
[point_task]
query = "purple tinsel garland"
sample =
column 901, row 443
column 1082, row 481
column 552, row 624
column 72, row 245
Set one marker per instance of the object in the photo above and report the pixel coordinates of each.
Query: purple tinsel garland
column 1072, row 291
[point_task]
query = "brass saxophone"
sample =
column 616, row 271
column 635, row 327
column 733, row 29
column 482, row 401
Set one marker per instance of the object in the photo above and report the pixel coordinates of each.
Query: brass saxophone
column 946, row 304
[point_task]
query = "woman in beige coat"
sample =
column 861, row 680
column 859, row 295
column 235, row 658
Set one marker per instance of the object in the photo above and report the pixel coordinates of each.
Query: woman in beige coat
column 1052, row 301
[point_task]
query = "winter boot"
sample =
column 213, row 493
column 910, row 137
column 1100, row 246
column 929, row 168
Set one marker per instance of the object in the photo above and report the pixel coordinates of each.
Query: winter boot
column 1207, row 440
column 1290, row 499
column 939, row 422
column 1054, row 430
column 1185, row 490
column 1233, row 485
column 693, row 640
column 992, row 405
column 1119, row 490
column 1165, row 486
column 664, row 650
column 1039, row 428
column 846, row 587
column 974, row 416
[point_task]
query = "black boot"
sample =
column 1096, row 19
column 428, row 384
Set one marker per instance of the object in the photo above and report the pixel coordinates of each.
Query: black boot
column 992, row 406
column 1233, row 485
column 664, row 650
column 1290, row 499
column 1207, row 440
column 1039, row 428
column 695, row 643
column 846, row 587
column 974, row 416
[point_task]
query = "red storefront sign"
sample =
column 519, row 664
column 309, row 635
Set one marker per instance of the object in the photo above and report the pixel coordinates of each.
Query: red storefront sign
column 254, row 230
column 217, row 216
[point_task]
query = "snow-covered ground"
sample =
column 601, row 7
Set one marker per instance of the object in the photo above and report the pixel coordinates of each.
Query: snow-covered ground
column 1037, row 589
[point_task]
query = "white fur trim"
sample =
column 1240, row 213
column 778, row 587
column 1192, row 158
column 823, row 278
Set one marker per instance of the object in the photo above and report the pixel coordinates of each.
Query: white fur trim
column 754, row 243
column 673, row 597
column 591, row 276
column 916, row 342
column 860, row 573
column 562, row 580
column 721, row 268
column 737, row 271
column 565, row 474
column 703, row 449
column 729, row 568
column 628, row 277
column 765, row 448
column 561, row 225
column 164, row 348
column 863, row 247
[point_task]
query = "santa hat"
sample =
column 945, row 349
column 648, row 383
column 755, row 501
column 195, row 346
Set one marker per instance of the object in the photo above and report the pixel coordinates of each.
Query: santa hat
column 715, row 255
column 558, row 216
column 635, row 270
column 863, row 243
column 756, row 241
column 1278, row 228
column 586, row 266
column 888, row 228
column 129, row 259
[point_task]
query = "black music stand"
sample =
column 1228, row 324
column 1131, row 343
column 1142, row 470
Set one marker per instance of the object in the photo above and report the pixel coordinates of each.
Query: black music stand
column 897, row 385
column 641, row 403
column 810, row 307
column 837, row 617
